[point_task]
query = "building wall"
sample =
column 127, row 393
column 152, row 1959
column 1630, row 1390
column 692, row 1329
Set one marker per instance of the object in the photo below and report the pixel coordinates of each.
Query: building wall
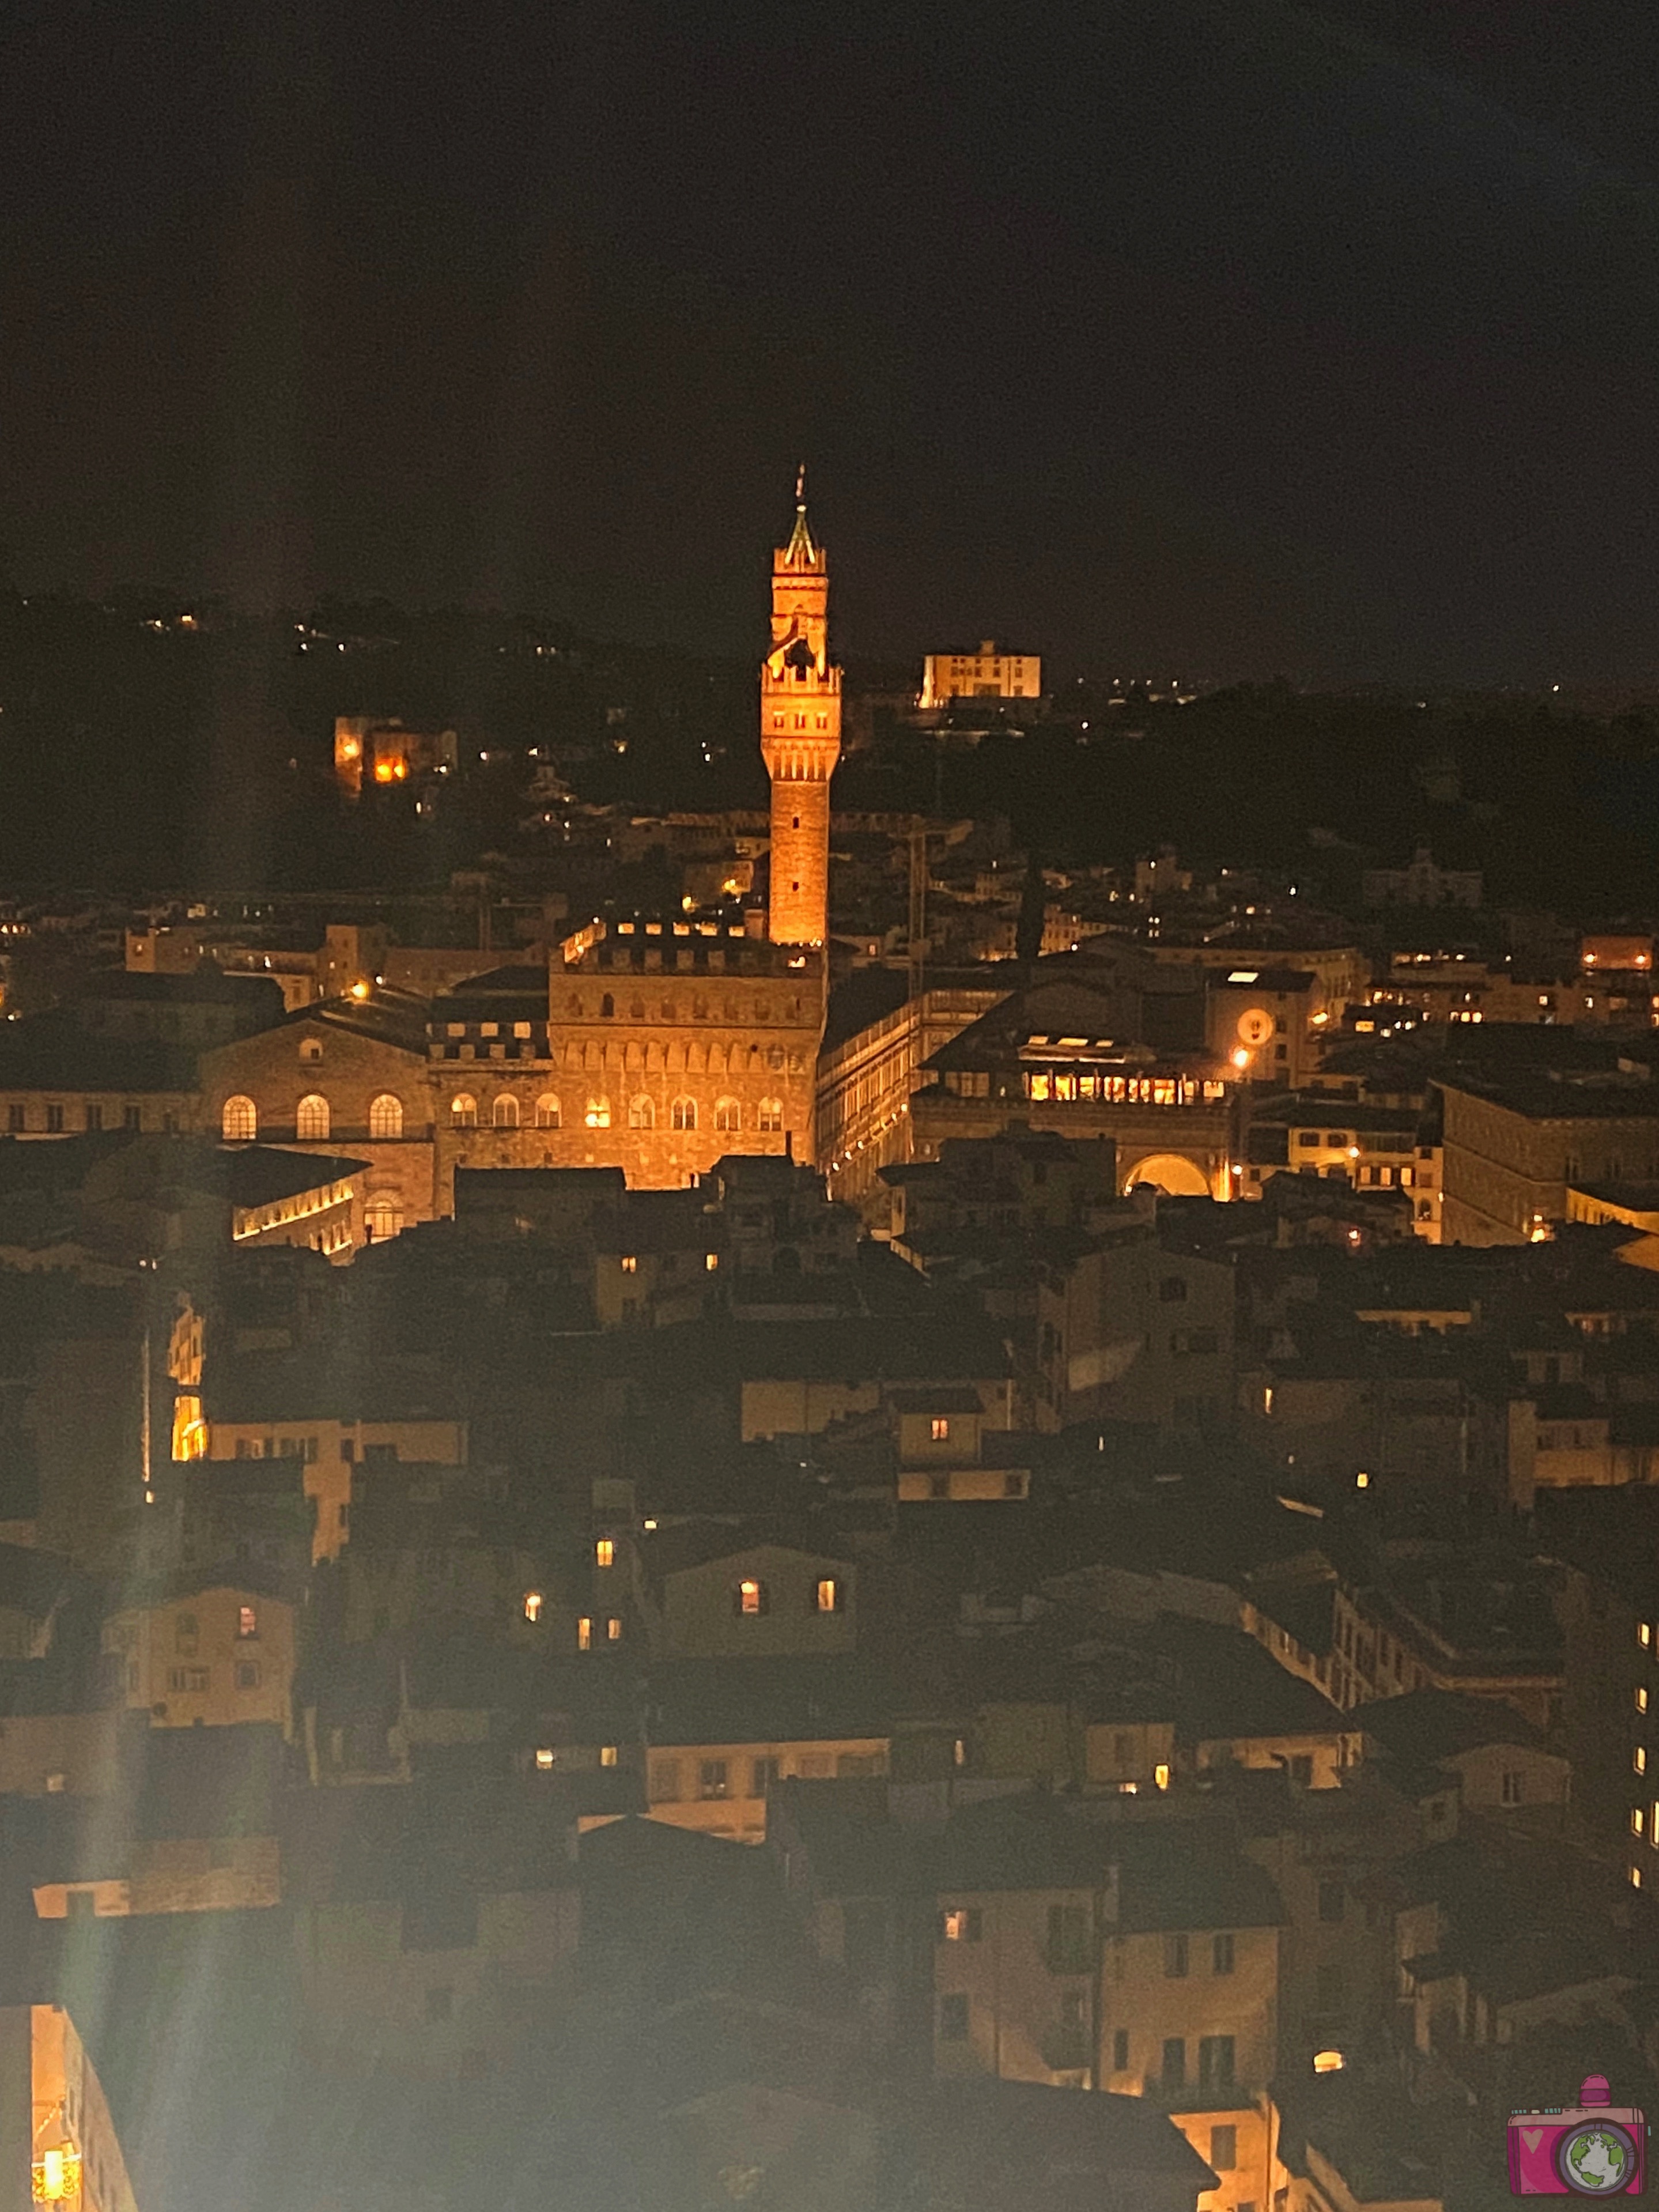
column 64, row 2086
column 1134, row 1333
column 189, row 1660
column 985, row 674
column 330, row 1452
column 702, row 1617
column 1615, row 1746
column 865, row 1083
column 77, row 1754
column 1141, row 1998
column 1030, row 2005
column 230, row 1874
column 279, row 1067
column 1506, row 1173
column 1154, row 1143
column 440, row 2013
column 720, row 1788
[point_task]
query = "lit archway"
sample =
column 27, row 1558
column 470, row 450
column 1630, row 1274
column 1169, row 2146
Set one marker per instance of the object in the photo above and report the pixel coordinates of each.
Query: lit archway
column 1172, row 1173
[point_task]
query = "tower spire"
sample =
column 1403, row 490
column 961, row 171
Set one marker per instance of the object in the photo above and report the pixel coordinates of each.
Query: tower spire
column 800, row 552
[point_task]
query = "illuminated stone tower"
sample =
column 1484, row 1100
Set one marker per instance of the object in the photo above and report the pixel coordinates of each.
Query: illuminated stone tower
column 800, row 734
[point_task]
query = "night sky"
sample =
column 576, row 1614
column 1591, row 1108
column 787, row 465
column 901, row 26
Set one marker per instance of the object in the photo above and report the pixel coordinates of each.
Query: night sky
column 1180, row 339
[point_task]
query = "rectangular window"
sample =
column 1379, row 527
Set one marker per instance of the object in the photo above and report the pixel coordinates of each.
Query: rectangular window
column 763, row 1774
column 1511, row 1789
column 1119, row 2050
column 940, row 1429
column 712, row 1778
column 1174, row 2075
column 961, row 1924
column 584, row 1634
column 17, row 1119
column 94, row 1119
column 1174, row 1957
column 1222, row 1953
column 54, row 1121
column 1215, row 2062
column 247, row 1621
column 827, row 1595
column 953, row 2020
column 664, row 1781
column 1224, row 2149
column 605, row 1553
column 247, row 1674
column 187, row 1680
column 613, row 1629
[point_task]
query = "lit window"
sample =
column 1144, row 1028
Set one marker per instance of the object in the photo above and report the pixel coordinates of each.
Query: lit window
column 728, row 1115
column 240, row 1122
column 642, row 1113
column 751, row 1597
column 532, row 1605
column 940, row 1428
column 1641, row 1701
column 385, row 1116
column 828, row 1595
column 607, row 1754
column 598, row 1114
column 605, row 1553
column 584, row 1634
column 630, row 1264
column 546, row 1758
column 613, row 1629
column 1636, row 1819
column 463, row 1112
column 960, row 1925
column 311, row 1119
column 768, row 1116
column 1644, row 1634
column 711, row 1260
column 1639, row 1760
column 247, row 1620
column 547, row 1111
column 505, row 1112
column 1636, row 1877
column 1161, row 1777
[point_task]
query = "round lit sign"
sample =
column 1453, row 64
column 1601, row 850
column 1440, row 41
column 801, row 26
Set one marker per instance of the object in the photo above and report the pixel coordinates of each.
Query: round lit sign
column 1255, row 1027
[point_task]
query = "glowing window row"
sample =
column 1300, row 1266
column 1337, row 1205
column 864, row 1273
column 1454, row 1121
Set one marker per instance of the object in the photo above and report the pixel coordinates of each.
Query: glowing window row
column 683, row 1114
column 239, row 1122
column 1124, row 1090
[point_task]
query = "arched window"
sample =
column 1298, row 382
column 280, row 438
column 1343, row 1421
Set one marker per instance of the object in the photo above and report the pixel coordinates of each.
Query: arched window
column 642, row 1113
column 383, row 1216
column 505, row 1112
column 240, row 1122
column 597, row 1115
column 311, row 1048
column 547, row 1111
column 682, row 1113
column 385, row 1116
column 463, row 1111
column 770, row 1115
column 311, row 1119
column 727, row 1115
column 607, row 1008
